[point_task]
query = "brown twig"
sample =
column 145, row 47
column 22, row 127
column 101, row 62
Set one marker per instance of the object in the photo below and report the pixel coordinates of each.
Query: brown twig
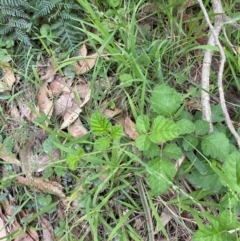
column 213, row 40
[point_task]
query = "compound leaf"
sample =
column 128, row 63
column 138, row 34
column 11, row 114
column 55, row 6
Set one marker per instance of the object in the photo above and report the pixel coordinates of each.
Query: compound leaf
column 99, row 125
column 142, row 124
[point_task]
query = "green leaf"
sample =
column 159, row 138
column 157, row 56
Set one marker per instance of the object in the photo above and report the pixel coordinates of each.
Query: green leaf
column 160, row 175
column 163, row 130
column 44, row 200
column 189, row 142
column 114, row 3
column 231, row 172
column 99, row 125
column 201, row 127
column 143, row 142
column 48, row 172
column 172, row 151
column 153, row 151
column 116, row 132
column 209, row 181
column 165, row 100
column 102, row 143
column 217, row 114
column 143, row 124
column 185, row 126
column 126, row 80
column 4, row 56
column 216, row 145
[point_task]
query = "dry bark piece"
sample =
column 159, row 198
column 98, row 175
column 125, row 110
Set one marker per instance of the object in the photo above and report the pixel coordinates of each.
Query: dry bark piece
column 45, row 102
column 130, row 128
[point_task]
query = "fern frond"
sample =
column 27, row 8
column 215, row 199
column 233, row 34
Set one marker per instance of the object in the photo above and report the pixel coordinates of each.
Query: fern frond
column 15, row 12
column 44, row 8
column 20, row 35
column 14, row 2
column 19, row 23
column 6, row 29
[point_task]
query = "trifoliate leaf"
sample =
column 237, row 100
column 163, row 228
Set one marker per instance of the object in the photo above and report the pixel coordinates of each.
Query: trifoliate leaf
column 143, row 142
column 209, row 181
column 116, row 132
column 163, row 130
column 99, row 125
column 172, row 151
column 165, row 100
column 189, row 142
column 217, row 114
column 231, row 172
column 142, row 124
column 201, row 127
column 153, row 151
column 102, row 143
column 185, row 126
column 160, row 175
column 216, row 145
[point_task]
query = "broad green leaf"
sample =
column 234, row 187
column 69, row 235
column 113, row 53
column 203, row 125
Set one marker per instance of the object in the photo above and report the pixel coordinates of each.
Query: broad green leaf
column 217, row 114
column 153, row 151
column 231, row 172
column 163, row 130
column 209, row 181
column 189, row 142
column 173, row 151
column 126, row 80
column 160, row 175
column 143, row 142
column 216, row 145
column 99, row 125
column 116, row 132
column 142, row 124
column 201, row 127
column 165, row 100
column 102, row 143
column 185, row 126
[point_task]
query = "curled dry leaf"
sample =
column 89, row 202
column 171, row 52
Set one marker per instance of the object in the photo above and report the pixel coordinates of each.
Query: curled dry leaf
column 111, row 113
column 3, row 232
column 86, row 64
column 77, row 129
column 63, row 103
column 59, row 85
column 9, row 77
column 73, row 114
column 130, row 128
column 47, row 232
column 45, row 102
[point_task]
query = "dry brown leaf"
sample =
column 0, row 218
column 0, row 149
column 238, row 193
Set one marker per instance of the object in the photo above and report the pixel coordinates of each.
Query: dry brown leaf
column 47, row 232
column 45, row 102
column 42, row 185
column 14, row 112
column 83, row 51
column 3, row 232
column 77, row 129
column 64, row 103
column 59, row 85
column 9, row 77
column 83, row 89
column 48, row 70
column 73, row 114
column 111, row 113
column 130, row 128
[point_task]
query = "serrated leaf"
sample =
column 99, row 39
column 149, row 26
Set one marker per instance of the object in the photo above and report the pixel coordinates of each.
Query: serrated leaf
column 116, row 132
column 231, row 172
column 165, row 100
column 160, row 175
column 189, row 142
column 99, row 125
column 163, row 130
column 209, row 181
column 201, row 127
column 143, row 124
column 153, row 151
column 143, row 142
column 102, row 143
column 215, row 145
column 217, row 114
column 172, row 151
column 185, row 126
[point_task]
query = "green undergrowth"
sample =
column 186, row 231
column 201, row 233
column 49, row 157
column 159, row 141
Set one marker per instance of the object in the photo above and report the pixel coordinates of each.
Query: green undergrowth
column 110, row 178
